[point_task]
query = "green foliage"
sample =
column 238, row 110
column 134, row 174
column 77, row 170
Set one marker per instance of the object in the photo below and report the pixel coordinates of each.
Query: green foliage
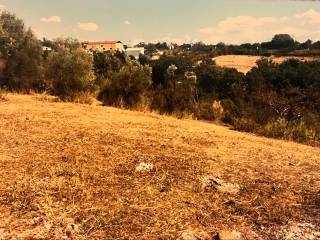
column 205, row 110
column 296, row 130
column 231, row 111
column 127, row 87
column 106, row 63
column 143, row 59
column 68, row 44
column 70, row 73
column 280, row 41
column 245, row 125
column 177, row 94
column 21, row 55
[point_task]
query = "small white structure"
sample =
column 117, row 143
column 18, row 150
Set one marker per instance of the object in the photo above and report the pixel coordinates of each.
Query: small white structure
column 44, row 48
column 135, row 52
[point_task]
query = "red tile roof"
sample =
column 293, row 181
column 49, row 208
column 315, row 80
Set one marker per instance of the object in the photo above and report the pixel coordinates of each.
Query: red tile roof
column 101, row 42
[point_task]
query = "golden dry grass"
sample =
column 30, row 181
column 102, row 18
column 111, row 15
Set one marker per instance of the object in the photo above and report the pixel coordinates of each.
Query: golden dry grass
column 244, row 63
column 68, row 172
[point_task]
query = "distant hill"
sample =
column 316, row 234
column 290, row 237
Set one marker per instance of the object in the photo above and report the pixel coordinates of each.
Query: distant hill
column 244, row 63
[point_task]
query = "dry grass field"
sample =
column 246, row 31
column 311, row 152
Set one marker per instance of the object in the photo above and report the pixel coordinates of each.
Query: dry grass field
column 71, row 171
column 244, row 63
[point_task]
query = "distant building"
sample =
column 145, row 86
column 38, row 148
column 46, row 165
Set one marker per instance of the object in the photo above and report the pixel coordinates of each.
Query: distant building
column 135, row 52
column 44, row 48
column 103, row 46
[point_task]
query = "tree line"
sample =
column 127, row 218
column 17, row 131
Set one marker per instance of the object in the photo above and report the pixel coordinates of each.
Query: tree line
column 275, row 100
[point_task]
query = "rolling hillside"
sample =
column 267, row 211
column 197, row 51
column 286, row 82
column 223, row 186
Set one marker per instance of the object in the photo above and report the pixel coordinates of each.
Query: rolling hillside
column 244, row 63
column 72, row 171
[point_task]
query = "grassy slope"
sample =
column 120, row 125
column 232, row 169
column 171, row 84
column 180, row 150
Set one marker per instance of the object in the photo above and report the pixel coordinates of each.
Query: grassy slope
column 69, row 170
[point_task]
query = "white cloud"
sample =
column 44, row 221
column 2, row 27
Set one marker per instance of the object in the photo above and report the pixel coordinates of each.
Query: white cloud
column 309, row 17
column 170, row 38
column 241, row 29
column 51, row 19
column 88, row 26
column 127, row 22
column 2, row 7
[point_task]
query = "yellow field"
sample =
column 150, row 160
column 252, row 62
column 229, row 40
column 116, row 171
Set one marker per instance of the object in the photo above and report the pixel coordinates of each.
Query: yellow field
column 244, row 63
column 73, row 171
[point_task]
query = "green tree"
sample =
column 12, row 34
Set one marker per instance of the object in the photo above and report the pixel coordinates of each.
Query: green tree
column 281, row 41
column 127, row 87
column 21, row 54
column 70, row 73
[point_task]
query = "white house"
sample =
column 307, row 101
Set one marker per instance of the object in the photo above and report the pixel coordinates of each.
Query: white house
column 135, row 52
column 44, row 48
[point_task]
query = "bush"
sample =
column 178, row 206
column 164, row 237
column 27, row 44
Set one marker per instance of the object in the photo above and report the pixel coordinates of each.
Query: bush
column 231, row 111
column 3, row 95
column 205, row 110
column 217, row 110
column 299, row 131
column 70, row 74
column 276, row 129
column 245, row 125
column 127, row 87
column 296, row 130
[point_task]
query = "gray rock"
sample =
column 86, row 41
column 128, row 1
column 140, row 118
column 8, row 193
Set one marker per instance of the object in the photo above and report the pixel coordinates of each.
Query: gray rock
column 144, row 167
column 214, row 183
column 194, row 235
column 228, row 235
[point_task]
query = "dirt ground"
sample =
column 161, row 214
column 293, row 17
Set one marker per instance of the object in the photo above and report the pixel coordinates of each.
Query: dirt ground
column 71, row 171
column 244, row 63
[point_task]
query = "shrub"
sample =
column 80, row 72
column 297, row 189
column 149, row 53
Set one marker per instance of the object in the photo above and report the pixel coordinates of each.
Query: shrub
column 299, row 131
column 205, row 110
column 276, row 129
column 127, row 87
column 3, row 95
column 217, row 110
column 245, row 125
column 231, row 111
column 82, row 98
column 295, row 130
column 70, row 73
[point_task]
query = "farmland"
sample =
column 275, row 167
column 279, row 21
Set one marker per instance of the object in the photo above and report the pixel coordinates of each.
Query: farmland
column 244, row 63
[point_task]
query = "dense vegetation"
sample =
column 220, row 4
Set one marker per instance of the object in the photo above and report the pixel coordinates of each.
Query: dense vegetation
column 275, row 100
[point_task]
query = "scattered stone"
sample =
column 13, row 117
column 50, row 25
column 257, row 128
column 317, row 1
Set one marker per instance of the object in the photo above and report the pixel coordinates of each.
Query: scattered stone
column 194, row 235
column 228, row 235
column 211, row 182
column 144, row 167
column 188, row 236
column 300, row 231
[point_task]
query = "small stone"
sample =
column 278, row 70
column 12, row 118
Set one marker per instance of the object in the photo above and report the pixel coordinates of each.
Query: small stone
column 211, row 182
column 316, row 234
column 188, row 236
column 144, row 167
column 228, row 235
column 194, row 235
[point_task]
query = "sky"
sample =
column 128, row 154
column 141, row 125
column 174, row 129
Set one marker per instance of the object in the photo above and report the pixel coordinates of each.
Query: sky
column 179, row 21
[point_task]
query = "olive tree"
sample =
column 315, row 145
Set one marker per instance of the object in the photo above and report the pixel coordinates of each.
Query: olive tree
column 70, row 73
